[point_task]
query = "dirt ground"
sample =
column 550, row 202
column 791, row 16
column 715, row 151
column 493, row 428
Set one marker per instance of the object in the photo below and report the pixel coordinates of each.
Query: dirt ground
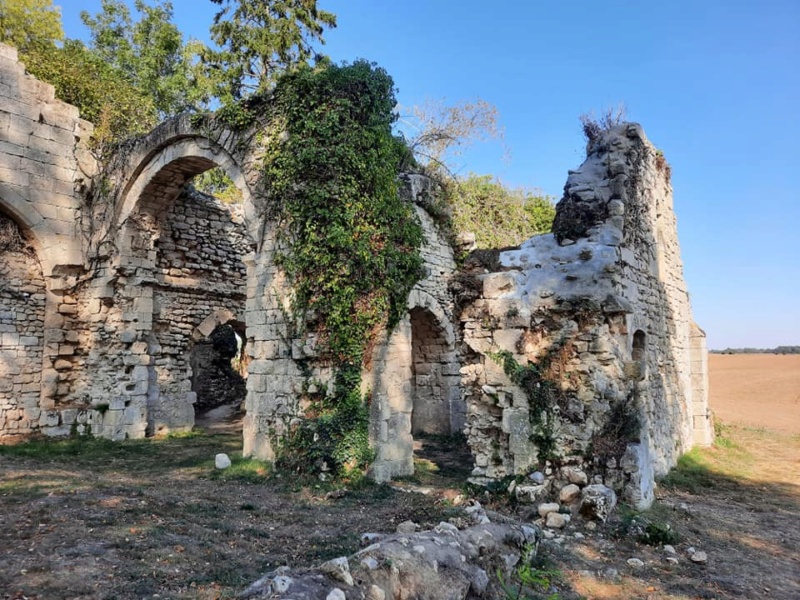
column 154, row 519
column 759, row 390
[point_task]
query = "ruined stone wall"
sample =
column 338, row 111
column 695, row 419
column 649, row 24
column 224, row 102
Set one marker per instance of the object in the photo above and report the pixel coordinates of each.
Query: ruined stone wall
column 45, row 166
column 601, row 308
column 414, row 375
column 134, row 272
column 22, row 302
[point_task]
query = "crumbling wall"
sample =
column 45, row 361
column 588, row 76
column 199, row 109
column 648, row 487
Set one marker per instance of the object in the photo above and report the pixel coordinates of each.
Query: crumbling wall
column 414, row 373
column 22, row 304
column 600, row 309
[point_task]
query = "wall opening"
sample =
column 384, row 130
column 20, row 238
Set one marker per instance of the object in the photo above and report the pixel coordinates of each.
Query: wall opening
column 188, row 249
column 219, row 376
column 431, row 408
column 639, row 346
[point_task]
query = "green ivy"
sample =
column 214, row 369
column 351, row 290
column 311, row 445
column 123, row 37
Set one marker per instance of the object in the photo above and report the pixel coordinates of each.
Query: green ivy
column 347, row 242
column 542, row 394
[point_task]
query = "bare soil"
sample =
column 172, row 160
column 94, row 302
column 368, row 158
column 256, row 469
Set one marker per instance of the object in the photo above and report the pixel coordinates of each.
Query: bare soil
column 758, row 390
column 154, row 519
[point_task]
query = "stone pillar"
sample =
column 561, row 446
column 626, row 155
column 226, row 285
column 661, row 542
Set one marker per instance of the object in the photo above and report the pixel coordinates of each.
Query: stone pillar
column 702, row 422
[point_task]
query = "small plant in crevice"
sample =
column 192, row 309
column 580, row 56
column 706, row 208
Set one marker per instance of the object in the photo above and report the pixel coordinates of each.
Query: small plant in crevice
column 543, row 393
column 662, row 166
column 623, row 426
column 530, row 580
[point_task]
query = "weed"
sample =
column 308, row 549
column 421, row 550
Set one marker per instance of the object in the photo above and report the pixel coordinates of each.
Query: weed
column 245, row 470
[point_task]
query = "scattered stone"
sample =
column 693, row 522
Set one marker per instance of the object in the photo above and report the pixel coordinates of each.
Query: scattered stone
column 598, row 502
column 339, row 569
column 281, row 584
column 369, row 563
column 577, row 477
column 636, row 563
column 591, row 526
column 672, row 560
column 376, row 593
column 222, row 461
column 528, row 494
column 699, row 557
column 609, row 573
column 555, row 520
column 537, row 477
column 669, row 549
column 407, row 527
column 547, row 508
column 569, row 493
column 336, row 594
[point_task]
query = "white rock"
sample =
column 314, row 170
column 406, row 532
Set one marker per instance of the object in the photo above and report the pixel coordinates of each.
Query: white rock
column 635, row 563
column 339, row 569
column 537, row 477
column 577, row 477
column 222, row 461
column 529, row 493
column 407, row 527
column 281, row 584
column 569, row 493
column 699, row 557
column 672, row 560
column 336, row 594
column 548, row 507
column 369, row 563
column 669, row 549
column 555, row 520
column 376, row 593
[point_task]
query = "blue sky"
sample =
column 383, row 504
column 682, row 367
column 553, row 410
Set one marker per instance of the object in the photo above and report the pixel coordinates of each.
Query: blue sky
column 715, row 84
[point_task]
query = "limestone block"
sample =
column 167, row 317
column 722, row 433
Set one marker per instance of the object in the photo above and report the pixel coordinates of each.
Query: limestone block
column 498, row 284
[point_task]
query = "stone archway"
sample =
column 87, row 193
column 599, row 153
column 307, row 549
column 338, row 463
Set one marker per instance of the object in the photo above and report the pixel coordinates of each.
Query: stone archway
column 415, row 386
column 181, row 254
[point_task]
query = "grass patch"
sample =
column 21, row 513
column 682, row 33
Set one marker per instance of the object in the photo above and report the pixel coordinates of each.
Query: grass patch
column 245, row 470
column 86, row 449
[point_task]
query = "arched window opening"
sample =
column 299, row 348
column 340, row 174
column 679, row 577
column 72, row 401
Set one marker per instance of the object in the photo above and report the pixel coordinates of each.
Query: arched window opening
column 639, row 346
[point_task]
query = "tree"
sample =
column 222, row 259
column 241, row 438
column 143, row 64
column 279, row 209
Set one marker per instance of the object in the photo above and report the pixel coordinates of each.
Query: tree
column 437, row 133
column 260, row 38
column 149, row 52
column 499, row 216
column 30, row 24
column 102, row 93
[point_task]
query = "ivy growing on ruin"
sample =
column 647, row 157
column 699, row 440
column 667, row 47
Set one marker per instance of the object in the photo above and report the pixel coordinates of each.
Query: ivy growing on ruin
column 346, row 241
column 543, row 394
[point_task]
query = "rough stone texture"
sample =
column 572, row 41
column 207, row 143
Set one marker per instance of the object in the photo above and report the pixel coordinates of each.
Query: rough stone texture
column 441, row 564
column 124, row 272
column 602, row 307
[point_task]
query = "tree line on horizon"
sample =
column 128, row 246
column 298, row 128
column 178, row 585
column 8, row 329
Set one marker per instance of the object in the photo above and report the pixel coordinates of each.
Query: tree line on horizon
column 775, row 350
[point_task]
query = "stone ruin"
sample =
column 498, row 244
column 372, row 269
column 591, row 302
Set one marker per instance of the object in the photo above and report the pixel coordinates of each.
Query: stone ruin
column 123, row 293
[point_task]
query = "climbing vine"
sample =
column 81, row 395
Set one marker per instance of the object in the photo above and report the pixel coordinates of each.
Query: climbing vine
column 347, row 242
column 543, row 394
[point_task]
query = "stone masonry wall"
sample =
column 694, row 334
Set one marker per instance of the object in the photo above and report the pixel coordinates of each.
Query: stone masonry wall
column 601, row 308
column 22, row 302
column 415, row 371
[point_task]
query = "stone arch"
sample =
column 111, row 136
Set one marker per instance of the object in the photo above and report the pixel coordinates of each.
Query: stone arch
column 401, row 368
column 171, row 155
column 168, row 287
column 52, row 248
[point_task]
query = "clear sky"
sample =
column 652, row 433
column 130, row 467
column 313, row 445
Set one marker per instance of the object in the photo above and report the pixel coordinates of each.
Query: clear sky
column 716, row 85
